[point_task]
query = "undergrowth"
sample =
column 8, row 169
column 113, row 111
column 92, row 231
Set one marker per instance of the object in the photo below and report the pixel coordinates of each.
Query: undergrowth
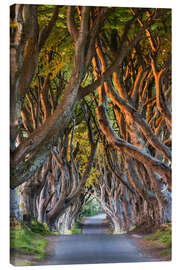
column 163, row 235
column 40, row 228
column 25, row 241
column 28, row 241
column 76, row 229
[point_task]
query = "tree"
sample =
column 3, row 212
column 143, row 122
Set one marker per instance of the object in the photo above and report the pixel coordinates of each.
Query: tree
column 41, row 139
column 101, row 72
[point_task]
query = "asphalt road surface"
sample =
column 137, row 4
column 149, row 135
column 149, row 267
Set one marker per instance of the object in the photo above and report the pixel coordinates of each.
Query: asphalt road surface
column 93, row 246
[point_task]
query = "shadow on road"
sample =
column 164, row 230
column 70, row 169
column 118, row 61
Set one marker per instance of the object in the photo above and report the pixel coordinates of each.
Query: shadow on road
column 89, row 226
column 95, row 225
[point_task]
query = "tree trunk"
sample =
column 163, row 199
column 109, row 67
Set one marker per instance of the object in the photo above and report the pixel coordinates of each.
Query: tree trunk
column 116, row 225
column 14, row 204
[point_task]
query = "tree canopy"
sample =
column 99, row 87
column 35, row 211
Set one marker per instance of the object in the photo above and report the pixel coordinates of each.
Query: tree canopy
column 90, row 111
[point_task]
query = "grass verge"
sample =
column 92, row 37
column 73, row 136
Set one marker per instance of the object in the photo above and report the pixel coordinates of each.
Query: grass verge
column 76, row 229
column 162, row 237
column 25, row 242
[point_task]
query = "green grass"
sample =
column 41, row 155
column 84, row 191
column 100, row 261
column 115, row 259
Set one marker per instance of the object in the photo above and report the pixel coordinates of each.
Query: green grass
column 25, row 241
column 76, row 230
column 163, row 235
column 41, row 228
column 166, row 252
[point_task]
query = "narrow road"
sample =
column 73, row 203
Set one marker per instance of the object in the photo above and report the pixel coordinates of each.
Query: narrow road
column 93, row 246
column 95, row 225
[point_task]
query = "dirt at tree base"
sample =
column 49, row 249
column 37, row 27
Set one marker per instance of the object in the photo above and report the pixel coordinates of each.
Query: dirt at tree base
column 148, row 247
column 22, row 259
